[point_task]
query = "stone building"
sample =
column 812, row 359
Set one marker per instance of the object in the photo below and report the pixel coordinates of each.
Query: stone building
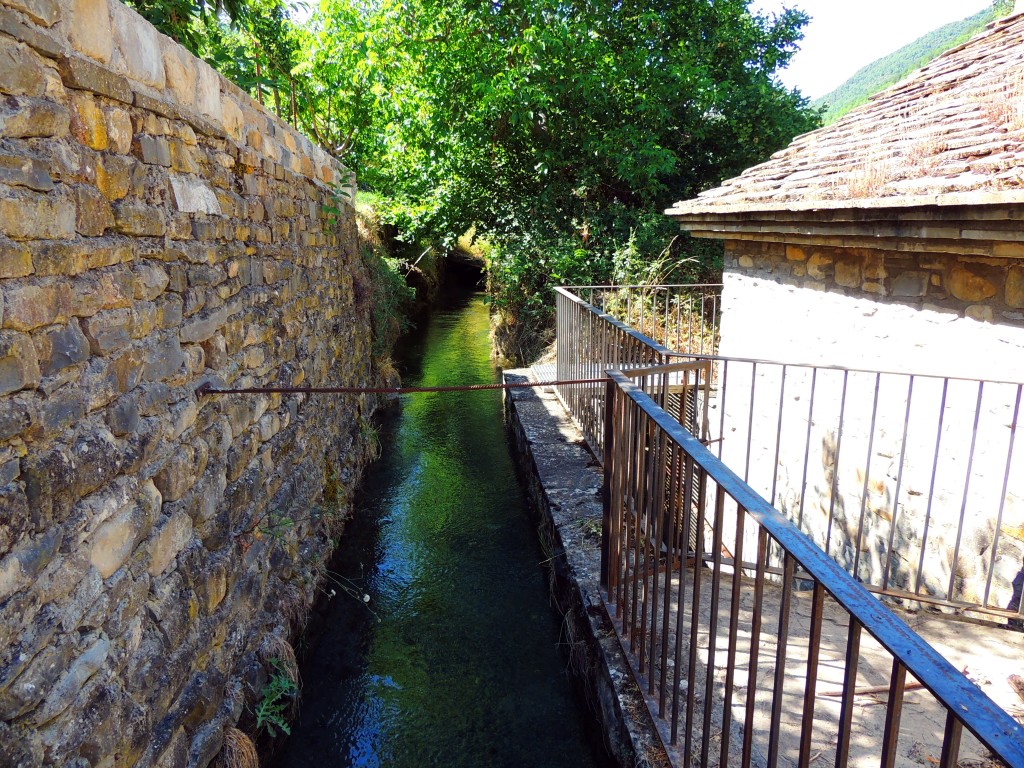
column 891, row 240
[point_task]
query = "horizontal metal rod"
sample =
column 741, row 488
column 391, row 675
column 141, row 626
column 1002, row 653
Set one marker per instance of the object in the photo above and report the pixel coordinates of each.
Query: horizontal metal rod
column 208, row 389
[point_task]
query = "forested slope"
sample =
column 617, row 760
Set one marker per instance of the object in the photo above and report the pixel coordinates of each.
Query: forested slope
column 880, row 74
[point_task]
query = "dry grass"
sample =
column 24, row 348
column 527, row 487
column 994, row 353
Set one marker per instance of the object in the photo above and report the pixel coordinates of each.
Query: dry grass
column 1003, row 104
column 868, row 178
column 294, row 605
column 238, row 750
column 276, row 647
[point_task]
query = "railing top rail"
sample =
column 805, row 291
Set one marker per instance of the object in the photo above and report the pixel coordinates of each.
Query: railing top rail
column 628, row 330
column 986, row 720
column 652, row 287
column 839, row 368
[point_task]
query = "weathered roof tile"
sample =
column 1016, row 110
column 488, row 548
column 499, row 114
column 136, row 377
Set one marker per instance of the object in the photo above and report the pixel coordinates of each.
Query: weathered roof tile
column 954, row 127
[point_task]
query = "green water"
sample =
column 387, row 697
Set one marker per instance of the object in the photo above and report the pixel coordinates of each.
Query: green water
column 455, row 660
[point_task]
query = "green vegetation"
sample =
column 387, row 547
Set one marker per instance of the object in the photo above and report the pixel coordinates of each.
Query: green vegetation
column 890, row 69
column 276, row 700
column 558, row 131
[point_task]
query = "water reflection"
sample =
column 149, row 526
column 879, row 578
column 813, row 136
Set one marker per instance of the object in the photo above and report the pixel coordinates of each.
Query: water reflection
column 454, row 661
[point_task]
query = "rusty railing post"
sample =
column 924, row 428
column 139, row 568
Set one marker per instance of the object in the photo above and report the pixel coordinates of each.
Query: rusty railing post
column 609, row 459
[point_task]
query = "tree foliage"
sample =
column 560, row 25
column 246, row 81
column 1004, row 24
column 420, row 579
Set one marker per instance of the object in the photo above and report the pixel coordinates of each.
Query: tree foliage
column 558, row 130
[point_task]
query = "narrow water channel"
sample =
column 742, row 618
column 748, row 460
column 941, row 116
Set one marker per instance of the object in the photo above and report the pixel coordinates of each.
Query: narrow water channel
column 455, row 660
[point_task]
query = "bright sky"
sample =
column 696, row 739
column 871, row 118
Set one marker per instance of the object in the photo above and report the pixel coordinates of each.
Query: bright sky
column 844, row 35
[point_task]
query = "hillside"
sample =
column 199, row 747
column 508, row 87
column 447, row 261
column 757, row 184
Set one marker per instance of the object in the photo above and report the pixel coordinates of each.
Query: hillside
column 882, row 73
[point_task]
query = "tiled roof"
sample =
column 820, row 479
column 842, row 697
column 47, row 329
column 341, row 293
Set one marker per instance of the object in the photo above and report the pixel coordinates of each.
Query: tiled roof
column 952, row 133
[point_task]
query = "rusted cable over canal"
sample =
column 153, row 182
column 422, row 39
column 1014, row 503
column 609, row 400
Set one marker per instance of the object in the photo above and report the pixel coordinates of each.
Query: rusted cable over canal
column 207, row 389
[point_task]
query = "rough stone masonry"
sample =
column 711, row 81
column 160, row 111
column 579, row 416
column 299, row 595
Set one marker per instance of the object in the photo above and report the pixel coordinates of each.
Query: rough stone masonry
column 158, row 229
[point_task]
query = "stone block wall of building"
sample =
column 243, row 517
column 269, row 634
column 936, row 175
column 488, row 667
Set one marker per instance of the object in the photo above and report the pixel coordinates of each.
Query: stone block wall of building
column 894, row 482
column 159, row 230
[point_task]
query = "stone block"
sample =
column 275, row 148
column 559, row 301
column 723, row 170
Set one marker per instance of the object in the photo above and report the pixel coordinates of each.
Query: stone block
column 208, row 91
column 1015, row 287
column 136, row 47
column 19, row 171
column 113, row 176
column 819, row 266
column 21, row 73
column 27, row 307
column 234, row 122
column 178, row 475
column 969, row 284
column 30, row 34
column 202, row 328
column 43, row 12
column 93, row 214
column 162, row 358
column 61, row 348
column 64, row 693
column 152, row 150
column 15, row 261
column 15, row 417
column 180, row 72
column 169, row 539
column 848, row 270
column 980, row 312
column 88, row 123
column 123, row 416
column 28, row 215
column 61, row 410
column 89, row 29
column 910, row 285
column 139, row 220
column 119, row 130
column 83, row 74
column 193, row 196
column 108, row 331
column 150, row 280
column 115, row 540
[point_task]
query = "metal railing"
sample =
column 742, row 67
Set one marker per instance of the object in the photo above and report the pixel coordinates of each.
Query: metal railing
column 683, row 318
column 709, row 624
column 587, row 342
column 904, row 479
column 911, row 482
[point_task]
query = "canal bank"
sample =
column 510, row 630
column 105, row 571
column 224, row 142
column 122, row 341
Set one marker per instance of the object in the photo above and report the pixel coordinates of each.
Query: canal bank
column 563, row 481
column 439, row 646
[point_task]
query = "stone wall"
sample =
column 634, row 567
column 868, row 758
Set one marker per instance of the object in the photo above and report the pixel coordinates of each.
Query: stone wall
column 889, row 479
column 158, row 230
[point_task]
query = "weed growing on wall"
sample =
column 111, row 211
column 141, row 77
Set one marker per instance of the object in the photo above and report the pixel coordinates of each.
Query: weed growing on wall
column 276, row 700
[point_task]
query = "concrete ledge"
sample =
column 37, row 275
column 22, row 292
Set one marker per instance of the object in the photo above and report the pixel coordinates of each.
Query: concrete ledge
column 563, row 481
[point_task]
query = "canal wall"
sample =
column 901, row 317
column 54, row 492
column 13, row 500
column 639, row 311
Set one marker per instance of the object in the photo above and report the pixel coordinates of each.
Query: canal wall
column 563, row 482
column 160, row 230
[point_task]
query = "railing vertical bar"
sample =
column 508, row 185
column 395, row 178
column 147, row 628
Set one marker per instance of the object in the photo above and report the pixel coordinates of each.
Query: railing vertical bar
column 867, row 475
column 967, row 490
column 658, row 512
column 716, row 586
column 734, row 617
column 1002, row 493
column 931, row 486
column 755, row 645
column 835, row 464
column 951, row 741
column 688, row 469
column 673, row 515
column 641, row 429
column 649, row 551
column 849, row 689
column 778, row 433
column 899, row 484
column 750, row 421
column 609, row 471
column 723, row 391
column 893, row 713
column 810, row 688
column 782, row 643
column 698, row 567
column 807, row 447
